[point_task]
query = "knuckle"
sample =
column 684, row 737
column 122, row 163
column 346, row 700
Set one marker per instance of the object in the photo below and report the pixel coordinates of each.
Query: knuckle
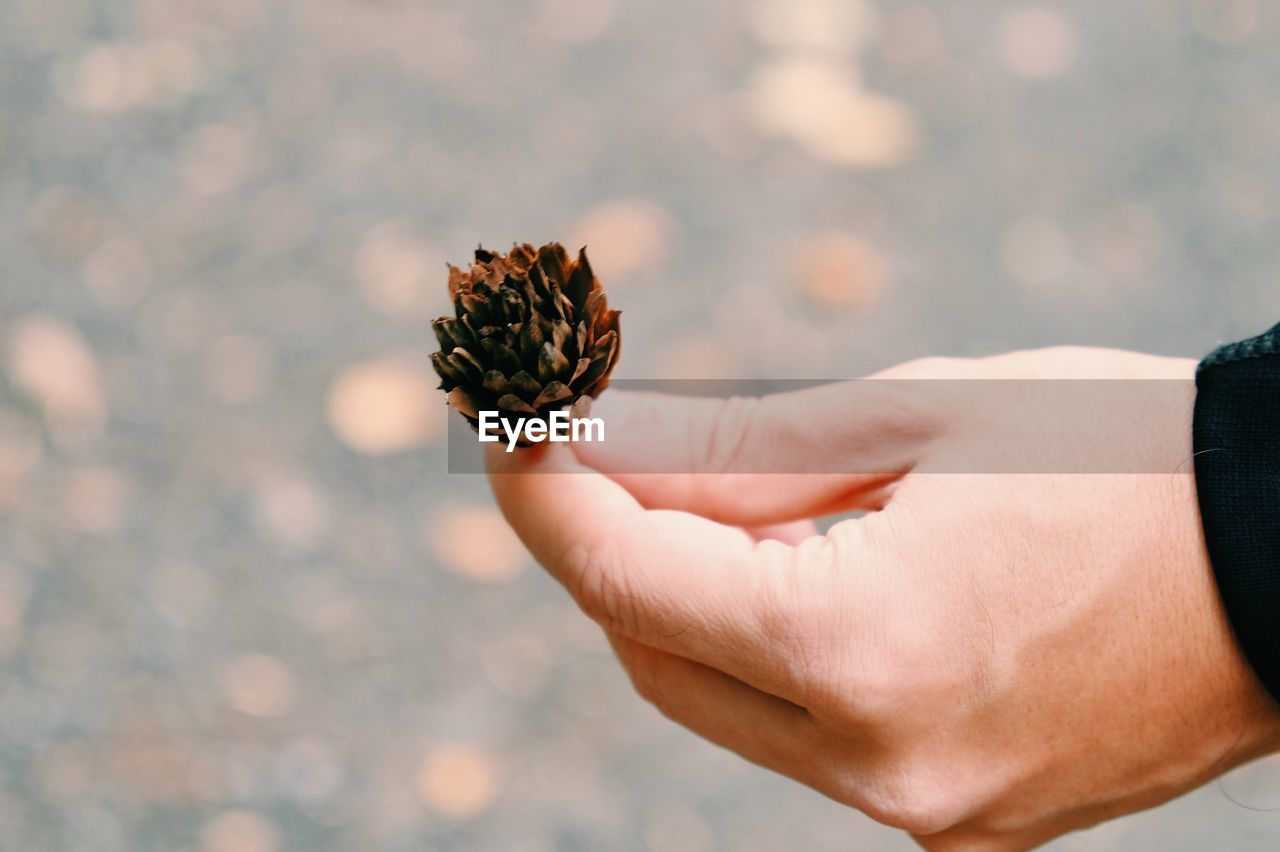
column 794, row 620
column 911, row 664
column 871, row 697
column 1046, row 362
column 726, row 436
column 931, row 367
column 599, row 587
column 645, row 673
column 1067, row 350
column 919, row 815
column 907, row 411
column 646, row 684
column 902, row 407
column 915, row 802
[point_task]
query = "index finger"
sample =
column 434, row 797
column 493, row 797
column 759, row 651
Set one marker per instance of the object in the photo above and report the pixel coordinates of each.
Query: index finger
column 674, row 581
column 763, row 460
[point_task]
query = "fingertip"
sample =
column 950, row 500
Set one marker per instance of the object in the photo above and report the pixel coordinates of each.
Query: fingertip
column 497, row 459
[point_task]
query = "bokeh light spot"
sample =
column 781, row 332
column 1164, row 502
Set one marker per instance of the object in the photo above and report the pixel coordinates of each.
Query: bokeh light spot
column 623, row 237
column 477, row 543
column 384, row 406
column 259, row 685
column 1038, row 42
column 458, row 780
column 240, row 831
column 840, row 271
column 1036, row 251
column 52, row 362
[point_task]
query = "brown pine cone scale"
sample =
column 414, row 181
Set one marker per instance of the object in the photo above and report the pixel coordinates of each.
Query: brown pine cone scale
column 532, row 333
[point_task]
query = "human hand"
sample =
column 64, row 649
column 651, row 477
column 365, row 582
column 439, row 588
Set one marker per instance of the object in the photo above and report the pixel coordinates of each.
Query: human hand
column 986, row 660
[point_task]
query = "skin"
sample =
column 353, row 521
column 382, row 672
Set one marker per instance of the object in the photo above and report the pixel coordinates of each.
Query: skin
column 985, row 660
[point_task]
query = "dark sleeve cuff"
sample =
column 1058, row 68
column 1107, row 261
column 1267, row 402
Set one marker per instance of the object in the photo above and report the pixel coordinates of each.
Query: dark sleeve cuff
column 1237, row 461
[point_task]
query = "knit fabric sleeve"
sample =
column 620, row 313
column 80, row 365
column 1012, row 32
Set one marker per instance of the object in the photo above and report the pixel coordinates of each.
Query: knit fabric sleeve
column 1236, row 433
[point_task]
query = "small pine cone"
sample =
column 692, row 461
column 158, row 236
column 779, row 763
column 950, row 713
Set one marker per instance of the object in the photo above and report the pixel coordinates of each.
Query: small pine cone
column 532, row 334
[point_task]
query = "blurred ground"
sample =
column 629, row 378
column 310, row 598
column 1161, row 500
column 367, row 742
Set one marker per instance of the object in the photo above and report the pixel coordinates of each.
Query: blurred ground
column 242, row 609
